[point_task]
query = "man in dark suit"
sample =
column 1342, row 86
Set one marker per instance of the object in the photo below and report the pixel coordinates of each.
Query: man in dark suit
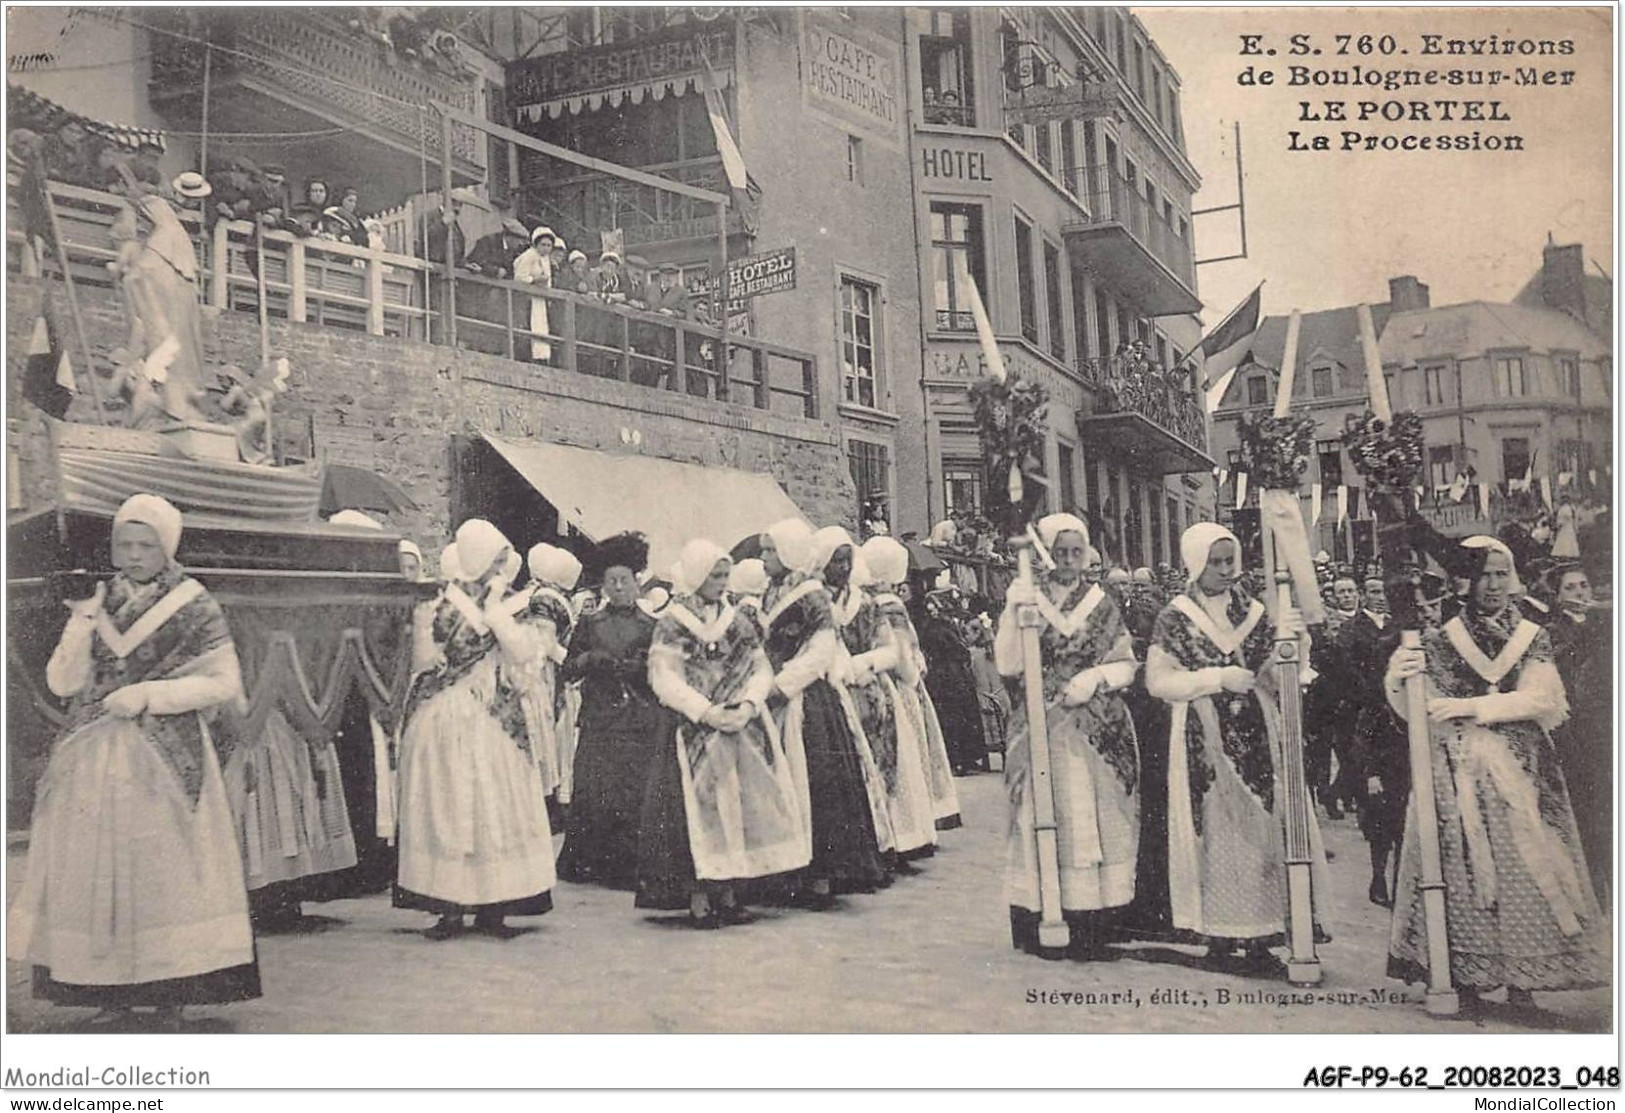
column 1357, row 653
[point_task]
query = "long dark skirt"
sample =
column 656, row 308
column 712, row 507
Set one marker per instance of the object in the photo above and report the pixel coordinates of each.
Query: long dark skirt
column 844, row 846
column 1150, row 914
column 665, row 877
column 538, row 905
column 612, row 766
column 217, row 987
column 952, row 686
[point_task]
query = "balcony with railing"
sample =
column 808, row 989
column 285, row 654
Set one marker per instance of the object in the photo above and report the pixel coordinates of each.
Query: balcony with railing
column 332, row 284
column 576, row 204
column 309, row 70
column 1133, row 247
column 1150, row 415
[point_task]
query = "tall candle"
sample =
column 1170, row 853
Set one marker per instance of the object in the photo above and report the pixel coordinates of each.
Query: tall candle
column 1376, row 386
column 984, row 328
column 1289, row 365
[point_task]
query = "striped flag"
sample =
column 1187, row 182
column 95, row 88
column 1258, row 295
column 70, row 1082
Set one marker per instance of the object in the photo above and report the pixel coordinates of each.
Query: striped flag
column 746, row 193
column 1229, row 346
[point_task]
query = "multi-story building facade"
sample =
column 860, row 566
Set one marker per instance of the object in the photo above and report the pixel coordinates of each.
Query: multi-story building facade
column 1505, row 391
column 1049, row 164
column 1042, row 147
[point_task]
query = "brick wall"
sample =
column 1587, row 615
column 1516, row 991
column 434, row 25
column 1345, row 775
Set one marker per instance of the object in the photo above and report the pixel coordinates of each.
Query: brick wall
column 392, row 406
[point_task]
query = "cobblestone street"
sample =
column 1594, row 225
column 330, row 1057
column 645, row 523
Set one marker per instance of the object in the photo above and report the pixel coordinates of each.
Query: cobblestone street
column 931, row 954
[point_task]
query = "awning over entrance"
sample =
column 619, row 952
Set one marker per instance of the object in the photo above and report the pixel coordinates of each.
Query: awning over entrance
column 602, row 494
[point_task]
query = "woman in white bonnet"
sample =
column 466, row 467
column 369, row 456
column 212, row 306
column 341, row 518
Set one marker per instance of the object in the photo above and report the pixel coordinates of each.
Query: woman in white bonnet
column 887, row 562
column 133, row 892
column 473, row 819
column 1212, row 661
column 721, row 806
column 1087, row 660
column 1521, row 908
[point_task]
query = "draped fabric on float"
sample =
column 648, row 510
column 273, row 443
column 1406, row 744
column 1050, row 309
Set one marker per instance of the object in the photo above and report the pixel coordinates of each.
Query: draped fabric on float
column 280, row 757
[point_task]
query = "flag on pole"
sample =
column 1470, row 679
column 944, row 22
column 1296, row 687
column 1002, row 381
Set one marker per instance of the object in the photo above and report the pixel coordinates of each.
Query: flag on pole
column 1314, row 504
column 1224, row 477
column 1483, row 500
column 1241, row 489
column 48, row 380
column 1342, row 504
column 1458, row 489
column 745, row 191
column 1228, row 346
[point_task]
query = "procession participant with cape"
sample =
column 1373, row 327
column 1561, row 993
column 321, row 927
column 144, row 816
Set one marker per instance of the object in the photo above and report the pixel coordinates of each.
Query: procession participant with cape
column 826, row 759
column 1519, row 902
column 887, row 563
column 620, row 724
column 721, row 805
column 1087, row 658
column 546, row 610
column 133, row 890
column 1583, row 646
column 1212, row 661
column 895, row 778
column 473, row 818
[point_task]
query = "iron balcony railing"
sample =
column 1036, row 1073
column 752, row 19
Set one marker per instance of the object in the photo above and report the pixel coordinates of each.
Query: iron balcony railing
column 1111, row 199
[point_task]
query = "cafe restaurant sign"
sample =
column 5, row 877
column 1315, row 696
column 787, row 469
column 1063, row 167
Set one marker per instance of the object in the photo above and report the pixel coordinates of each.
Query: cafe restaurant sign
column 653, row 65
column 851, row 78
column 771, row 272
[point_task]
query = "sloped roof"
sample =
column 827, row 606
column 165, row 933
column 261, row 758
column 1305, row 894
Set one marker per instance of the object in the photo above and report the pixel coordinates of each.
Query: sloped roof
column 1324, row 334
column 1597, row 290
column 1475, row 327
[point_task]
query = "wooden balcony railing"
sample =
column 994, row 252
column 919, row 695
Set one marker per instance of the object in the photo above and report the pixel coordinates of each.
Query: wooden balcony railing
column 334, row 284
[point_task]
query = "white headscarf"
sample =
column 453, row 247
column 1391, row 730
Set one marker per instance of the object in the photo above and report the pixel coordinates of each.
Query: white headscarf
column 405, row 547
column 1198, row 541
column 793, row 539
column 1484, row 541
column 1052, row 526
column 748, row 578
column 553, row 565
column 512, row 566
column 861, row 576
column 449, row 568
column 479, row 543
column 355, row 519
column 886, row 559
column 825, row 543
column 695, row 565
column 943, row 533
column 160, row 514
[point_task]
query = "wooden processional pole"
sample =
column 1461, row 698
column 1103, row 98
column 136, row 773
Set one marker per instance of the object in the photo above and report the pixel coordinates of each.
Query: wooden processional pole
column 1441, row 998
column 1303, row 965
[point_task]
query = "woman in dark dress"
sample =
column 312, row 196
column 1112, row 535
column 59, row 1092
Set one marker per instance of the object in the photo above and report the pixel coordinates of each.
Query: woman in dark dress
column 950, row 681
column 802, row 646
column 619, row 726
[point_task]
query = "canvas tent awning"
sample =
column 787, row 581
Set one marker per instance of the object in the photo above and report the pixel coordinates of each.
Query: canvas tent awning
column 602, row 494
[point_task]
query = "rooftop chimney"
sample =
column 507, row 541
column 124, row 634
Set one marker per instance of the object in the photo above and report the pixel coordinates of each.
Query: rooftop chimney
column 1406, row 293
column 1562, row 278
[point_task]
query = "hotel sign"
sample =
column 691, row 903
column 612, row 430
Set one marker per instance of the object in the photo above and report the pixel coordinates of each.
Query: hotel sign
column 854, row 80
column 675, row 54
column 1082, row 100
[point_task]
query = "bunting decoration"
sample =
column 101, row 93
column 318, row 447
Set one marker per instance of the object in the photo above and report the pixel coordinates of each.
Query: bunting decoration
column 1314, row 504
column 1342, row 505
column 1241, row 489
